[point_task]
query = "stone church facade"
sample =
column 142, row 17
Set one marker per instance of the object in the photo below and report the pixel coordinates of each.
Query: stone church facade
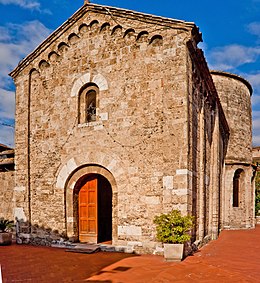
column 119, row 119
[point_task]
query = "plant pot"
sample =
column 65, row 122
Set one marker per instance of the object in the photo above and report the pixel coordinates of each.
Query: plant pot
column 5, row 239
column 173, row 252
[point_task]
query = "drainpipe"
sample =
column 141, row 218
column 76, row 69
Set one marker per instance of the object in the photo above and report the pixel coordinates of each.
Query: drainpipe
column 29, row 151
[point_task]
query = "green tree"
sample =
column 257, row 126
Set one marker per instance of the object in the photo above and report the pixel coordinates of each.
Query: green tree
column 257, row 193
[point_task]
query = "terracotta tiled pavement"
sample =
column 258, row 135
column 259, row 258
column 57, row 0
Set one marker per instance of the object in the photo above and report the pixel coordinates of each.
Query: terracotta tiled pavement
column 234, row 257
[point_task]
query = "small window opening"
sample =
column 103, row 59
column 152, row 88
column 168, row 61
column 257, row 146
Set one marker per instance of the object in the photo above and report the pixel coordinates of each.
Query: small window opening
column 87, row 104
column 236, row 187
column 91, row 105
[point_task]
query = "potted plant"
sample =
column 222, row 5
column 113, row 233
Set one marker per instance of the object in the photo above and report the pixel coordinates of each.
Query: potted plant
column 5, row 231
column 173, row 230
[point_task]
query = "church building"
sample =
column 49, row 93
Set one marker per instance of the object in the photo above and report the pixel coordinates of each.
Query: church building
column 119, row 119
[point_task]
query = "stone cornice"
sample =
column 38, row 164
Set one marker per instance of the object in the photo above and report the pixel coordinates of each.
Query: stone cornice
column 230, row 162
column 114, row 13
column 148, row 18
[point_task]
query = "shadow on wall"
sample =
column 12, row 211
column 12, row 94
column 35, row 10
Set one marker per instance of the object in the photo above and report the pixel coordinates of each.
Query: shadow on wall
column 38, row 235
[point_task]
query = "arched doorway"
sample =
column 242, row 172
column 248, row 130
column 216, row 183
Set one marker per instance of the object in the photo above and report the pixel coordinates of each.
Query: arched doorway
column 93, row 198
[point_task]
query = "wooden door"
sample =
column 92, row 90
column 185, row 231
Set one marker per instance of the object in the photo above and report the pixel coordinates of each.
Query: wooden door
column 88, row 207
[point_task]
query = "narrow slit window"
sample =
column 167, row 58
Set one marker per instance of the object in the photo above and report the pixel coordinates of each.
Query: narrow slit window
column 237, row 182
column 235, row 191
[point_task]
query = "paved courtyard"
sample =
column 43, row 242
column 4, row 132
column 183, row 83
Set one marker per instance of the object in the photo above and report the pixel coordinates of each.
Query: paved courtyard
column 234, row 257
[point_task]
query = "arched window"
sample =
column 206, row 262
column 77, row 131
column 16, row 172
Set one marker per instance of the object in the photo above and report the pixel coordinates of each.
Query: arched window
column 91, row 105
column 88, row 103
column 237, row 184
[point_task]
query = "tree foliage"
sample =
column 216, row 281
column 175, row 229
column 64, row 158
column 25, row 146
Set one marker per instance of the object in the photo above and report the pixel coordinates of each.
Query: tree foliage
column 257, row 193
column 173, row 228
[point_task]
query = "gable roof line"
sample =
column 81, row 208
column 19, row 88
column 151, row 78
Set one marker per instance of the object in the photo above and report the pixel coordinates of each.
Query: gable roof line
column 119, row 12
column 44, row 45
column 146, row 16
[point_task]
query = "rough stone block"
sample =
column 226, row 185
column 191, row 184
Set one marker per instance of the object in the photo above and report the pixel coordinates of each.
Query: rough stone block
column 129, row 230
column 168, row 182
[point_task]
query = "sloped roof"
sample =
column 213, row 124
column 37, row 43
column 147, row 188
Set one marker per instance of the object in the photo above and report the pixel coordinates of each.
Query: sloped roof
column 4, row 147
column 6, row 157
column 113, row 12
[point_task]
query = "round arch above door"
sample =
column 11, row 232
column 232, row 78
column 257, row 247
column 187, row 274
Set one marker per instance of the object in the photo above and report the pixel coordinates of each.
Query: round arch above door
column 104, row 228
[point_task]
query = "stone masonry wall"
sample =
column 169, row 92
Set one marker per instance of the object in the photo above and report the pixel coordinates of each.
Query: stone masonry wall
column 207, row 149
column 153, row 138
column 242, row 216
column 140, row 134
column 235, row 98
column 6, row 194
column 234, row 93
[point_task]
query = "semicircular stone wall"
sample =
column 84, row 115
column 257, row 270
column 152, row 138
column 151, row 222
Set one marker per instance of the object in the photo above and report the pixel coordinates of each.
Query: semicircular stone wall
column 235, row 96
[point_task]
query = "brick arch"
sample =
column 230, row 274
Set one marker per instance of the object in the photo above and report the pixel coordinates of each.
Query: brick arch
column 72, row 38
column 43, row 64
column 105, row 27
column 98, row 79
column 156, row 40
column 129, row 32
column 101, row 158
column 96, row 162
column 142, row 36
column 71, row 213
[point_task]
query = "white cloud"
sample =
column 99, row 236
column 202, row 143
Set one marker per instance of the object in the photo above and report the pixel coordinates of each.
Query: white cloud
column 203, row 46
column 254, row 28
column 256, row 125
column 22, row 40
column 255, row 100
column 7, row 104
column 256, row 131
column 7, row 109
column 4, row 34
column 256, row 119
column 16, row 42
column 231, row 56
column 256, row 140
column 7, row 135
column 26, row 4
column 256, row 114
column 254, row 80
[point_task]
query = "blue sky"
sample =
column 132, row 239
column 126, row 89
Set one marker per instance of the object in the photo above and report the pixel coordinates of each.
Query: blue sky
column 230, row 28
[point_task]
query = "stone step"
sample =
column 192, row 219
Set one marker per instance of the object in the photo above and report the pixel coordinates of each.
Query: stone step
column 83, row 251
column 84, row 248
column 91, row 247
